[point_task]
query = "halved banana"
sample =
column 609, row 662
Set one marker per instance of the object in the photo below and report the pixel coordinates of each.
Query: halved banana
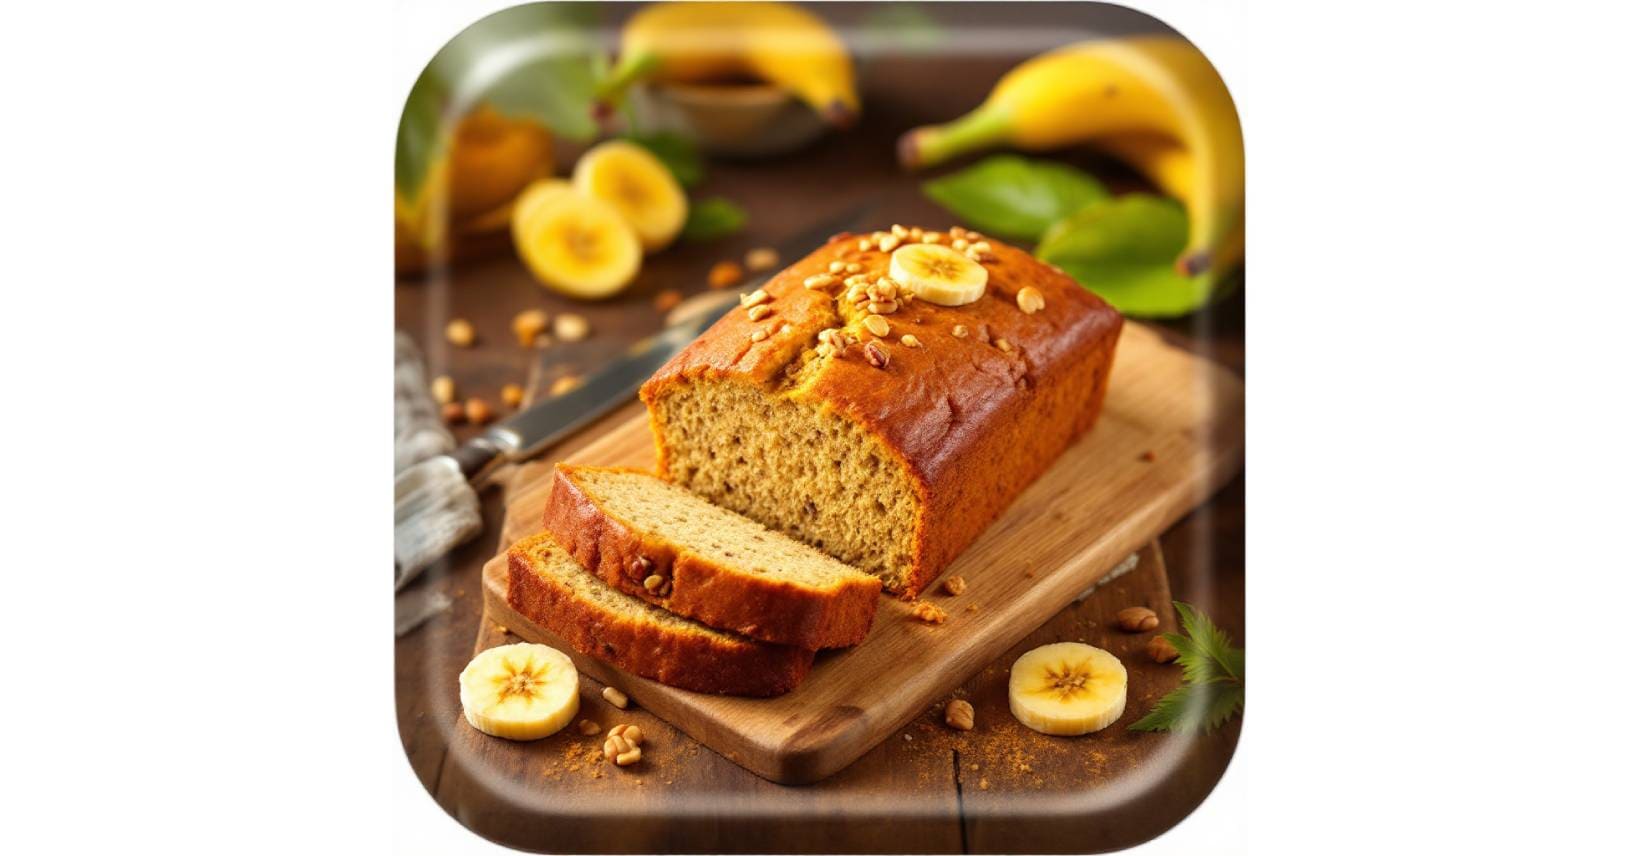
column 1067, row 689
column 520, row 692
column 640, row 187
column 938, row 274
column 573, row 243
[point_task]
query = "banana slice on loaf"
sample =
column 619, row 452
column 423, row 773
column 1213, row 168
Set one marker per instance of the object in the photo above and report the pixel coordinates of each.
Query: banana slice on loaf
column 662, row 543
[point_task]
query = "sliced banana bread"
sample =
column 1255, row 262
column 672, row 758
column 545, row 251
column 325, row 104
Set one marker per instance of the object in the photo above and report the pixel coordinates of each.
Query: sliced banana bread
column 662, row 543
column 865, row 415
column 545, row 585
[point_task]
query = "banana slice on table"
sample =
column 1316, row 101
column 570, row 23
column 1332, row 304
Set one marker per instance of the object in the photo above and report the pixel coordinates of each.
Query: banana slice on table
column 573, row 243
column 1067, row 689
column 639, row 186
column 520, row 692
column 938, row 274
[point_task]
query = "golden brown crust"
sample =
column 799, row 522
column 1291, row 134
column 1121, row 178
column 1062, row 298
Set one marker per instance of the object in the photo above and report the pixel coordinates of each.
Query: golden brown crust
column 972, row 423
column 711, row 593
column 693, row 661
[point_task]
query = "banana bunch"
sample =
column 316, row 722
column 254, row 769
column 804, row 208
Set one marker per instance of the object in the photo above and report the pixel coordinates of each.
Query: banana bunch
column 520, row 692
column 1153, row 101
column 586, row 238
column 465, row 201
column 780, row 43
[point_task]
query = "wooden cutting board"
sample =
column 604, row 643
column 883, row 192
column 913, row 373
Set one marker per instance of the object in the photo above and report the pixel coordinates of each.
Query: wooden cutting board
column 1170, row 435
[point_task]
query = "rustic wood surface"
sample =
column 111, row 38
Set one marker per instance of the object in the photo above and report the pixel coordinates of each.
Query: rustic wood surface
column 1204, row 551
column 1169, row 436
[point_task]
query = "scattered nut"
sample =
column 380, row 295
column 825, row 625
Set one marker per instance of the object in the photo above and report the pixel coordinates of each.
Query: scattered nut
column 454, row 413
column 877, row 324
column 615, row 697
column 563, row 385
column 1137, row 619
column 960, row 331
column 910, row 341
column 825, row 350
column 627, row 759
column 820, row 280
column 876, row 356
column 639, row 567
column 1161, row 650
column 864, row 244
column 959, row 715
column 760, row 312
column 836, row 267
column 443, row 389
column 898, row 231
column 724, row 274
column 762, row 259
column 885, row 308
column 478, row 412
column 955, row 585
column 853, row 268
column 759, row 335
column 527, row 325
column 631, row 733
column 512, row 395
column 1005, row 346
column 1030, row 300
column 459, row 332
column 922, row 610
column 588, row 727
column 753, row 299
column 571, row 327
column 668, row 300
column 887, row 243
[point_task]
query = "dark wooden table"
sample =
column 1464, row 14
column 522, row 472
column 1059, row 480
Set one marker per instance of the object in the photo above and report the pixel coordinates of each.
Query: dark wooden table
column 1204, row 552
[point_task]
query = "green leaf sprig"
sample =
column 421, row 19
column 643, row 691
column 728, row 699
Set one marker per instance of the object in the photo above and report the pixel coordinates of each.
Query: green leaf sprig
column 1120, row 247
column 711, row 218
column 1215, row 682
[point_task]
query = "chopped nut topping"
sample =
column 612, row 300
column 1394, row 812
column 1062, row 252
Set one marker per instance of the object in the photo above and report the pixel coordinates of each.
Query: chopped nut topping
column 820, row 280
column 898, row 231
column 959, row 243
column 762, row 259
column 960, row 331
column 571, row 327
column 883, row 290
column 865, row 244
column 922, row 610
column 1030, row 300
column 830, row 336
column 759, row 335
column 956, row 231
column 910, row 341
column 876, row 356
column 824, row 351
column 615, row 697
column 888, row 243
column 1005, row 346
column 724, row 274
column 885, row 308
column 836, row 267
column 443, row 389
column 459, row 332
column 955, row 586
column 857, row 279
column 639, row 567
column 980, row 247
column 753, row 299
column 527, row 325
column 784, row 329
column 933, row 238
column 959, row 714
column 916, row 233
column 759, row 312
column 877, row 324
column 854, row 267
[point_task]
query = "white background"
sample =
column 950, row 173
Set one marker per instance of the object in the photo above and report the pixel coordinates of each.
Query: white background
column 194, row 285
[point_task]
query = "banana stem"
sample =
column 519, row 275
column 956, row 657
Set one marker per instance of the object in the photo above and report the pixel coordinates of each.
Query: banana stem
column 982, row 128
column 628, row 71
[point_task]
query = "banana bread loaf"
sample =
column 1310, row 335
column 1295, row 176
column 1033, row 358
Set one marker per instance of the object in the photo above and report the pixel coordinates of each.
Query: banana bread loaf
column 661, row 543
column 545, row 585
column 839, row 406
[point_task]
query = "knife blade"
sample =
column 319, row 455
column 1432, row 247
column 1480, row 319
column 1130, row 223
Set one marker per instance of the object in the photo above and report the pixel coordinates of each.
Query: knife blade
column 525, row 435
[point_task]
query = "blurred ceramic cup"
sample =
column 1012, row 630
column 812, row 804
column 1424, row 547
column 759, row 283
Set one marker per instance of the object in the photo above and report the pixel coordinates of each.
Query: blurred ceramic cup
column 739, row 120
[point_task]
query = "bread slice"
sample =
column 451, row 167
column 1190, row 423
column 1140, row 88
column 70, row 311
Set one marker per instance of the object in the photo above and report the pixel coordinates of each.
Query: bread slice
column 546, row 586
column 662, row 543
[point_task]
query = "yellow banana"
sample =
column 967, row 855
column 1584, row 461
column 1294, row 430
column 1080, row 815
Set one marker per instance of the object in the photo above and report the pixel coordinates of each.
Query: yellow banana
column 781, row 43
column 1154, row 100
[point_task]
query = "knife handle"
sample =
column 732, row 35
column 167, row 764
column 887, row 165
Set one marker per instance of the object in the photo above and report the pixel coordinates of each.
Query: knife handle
column 477, row 456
